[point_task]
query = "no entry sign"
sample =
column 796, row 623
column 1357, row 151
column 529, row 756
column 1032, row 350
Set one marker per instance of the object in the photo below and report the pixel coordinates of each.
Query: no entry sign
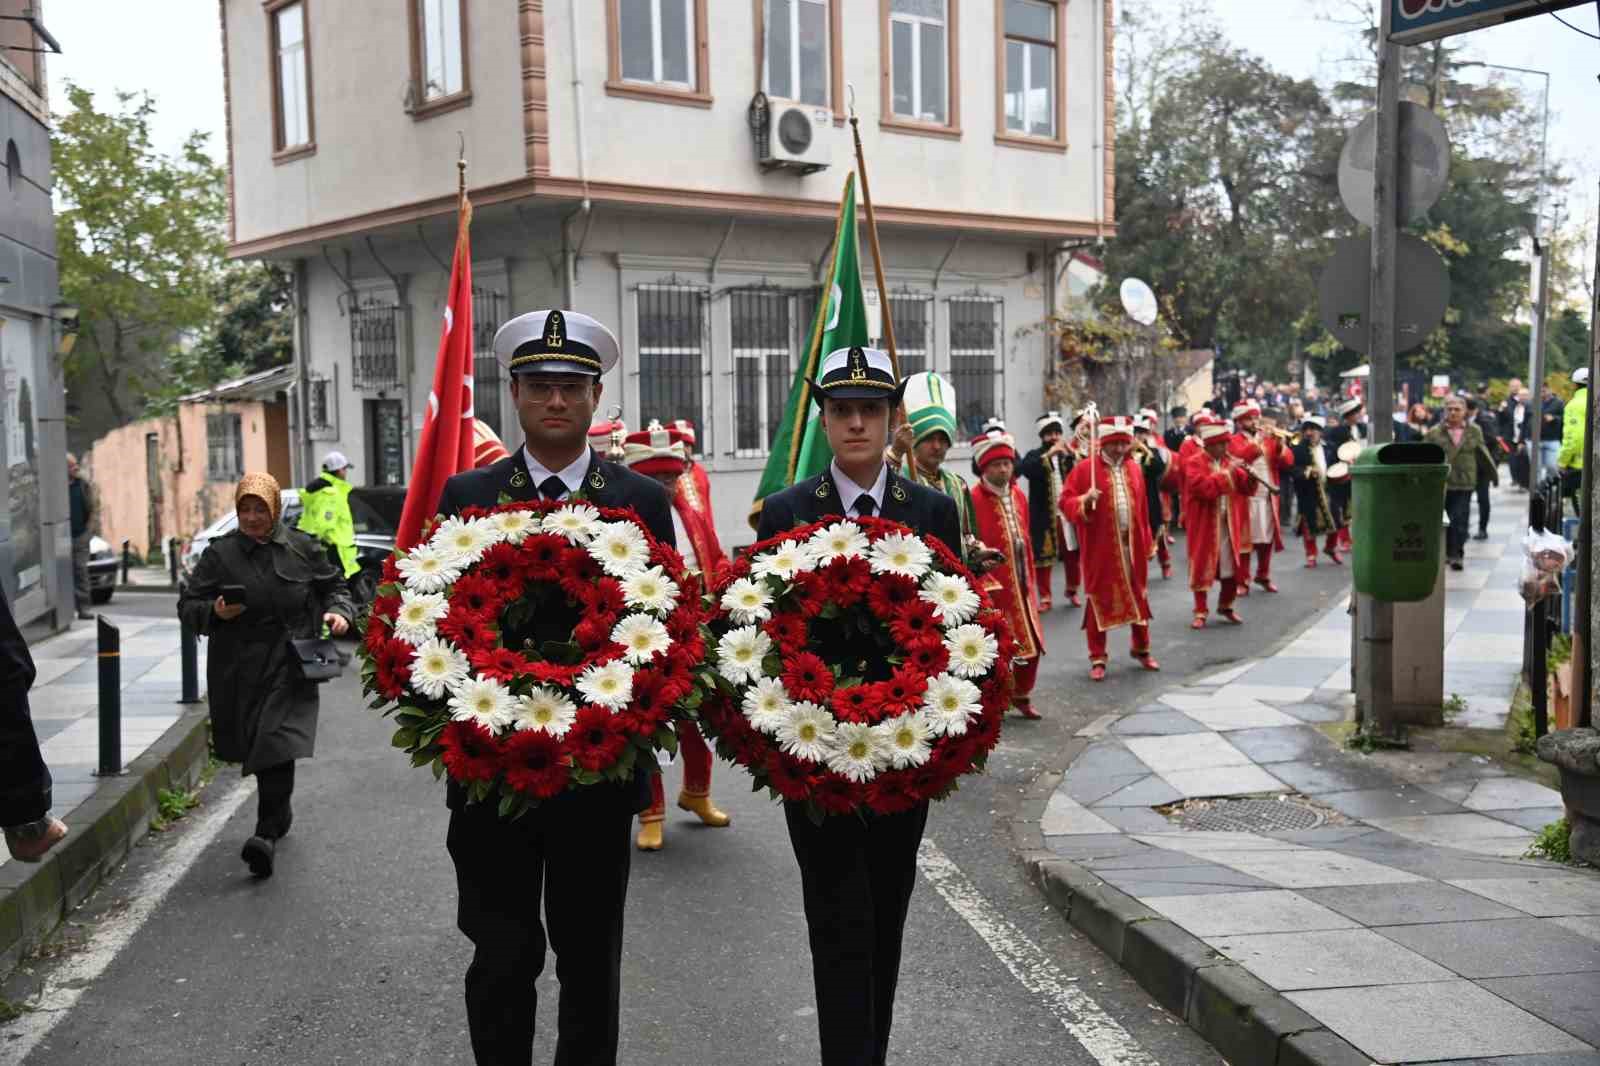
column 1415, row 21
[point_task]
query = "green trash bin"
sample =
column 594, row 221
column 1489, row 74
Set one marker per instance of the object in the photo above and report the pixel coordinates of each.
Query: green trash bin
column 1397, row 520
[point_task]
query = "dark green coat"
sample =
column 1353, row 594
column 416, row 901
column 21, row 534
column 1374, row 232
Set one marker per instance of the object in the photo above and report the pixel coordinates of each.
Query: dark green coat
column 1463, row 460
column 261, row 713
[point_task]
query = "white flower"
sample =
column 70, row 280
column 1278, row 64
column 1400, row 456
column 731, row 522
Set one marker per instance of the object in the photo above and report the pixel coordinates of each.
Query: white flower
column 547, row 709
column 972, row 650
column 748, row 601
column 900, row 554
column 950, row 703
column 858, row 751
column 609, row 686
column 784, row 561
column 483, row 700
column 620, row 548
column 908, row 739
column 575, row 521
column 807, row 732
column 424, row 569
column 952, row 598
column 766, row 705
column 462, row 541
column 650, row 590
column 515, row 526
column 642, row 637
column 842, row 540
column 739, row 654
column 436, row 666
column 419, row 613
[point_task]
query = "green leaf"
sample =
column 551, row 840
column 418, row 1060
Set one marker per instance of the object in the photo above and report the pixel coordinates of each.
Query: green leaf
column 438, row 769
column 404, row 738
column 389, row 588
column 507, row 803
column 421, row 758
column 566, row 652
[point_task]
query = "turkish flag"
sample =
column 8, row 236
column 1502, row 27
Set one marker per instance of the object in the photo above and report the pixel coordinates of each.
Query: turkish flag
column 447, row 442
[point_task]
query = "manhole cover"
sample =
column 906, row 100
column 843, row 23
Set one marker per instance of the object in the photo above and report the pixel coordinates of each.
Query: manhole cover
column 1250, row 815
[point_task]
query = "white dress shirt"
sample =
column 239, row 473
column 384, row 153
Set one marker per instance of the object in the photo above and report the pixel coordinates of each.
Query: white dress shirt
column 571, row 477
column 850, row 492
column 685, row 542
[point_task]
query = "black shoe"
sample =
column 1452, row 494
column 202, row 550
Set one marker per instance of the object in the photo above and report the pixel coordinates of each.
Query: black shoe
column 86, row 616
column 1457, row 564
column 257, row 854
column 1482, row 534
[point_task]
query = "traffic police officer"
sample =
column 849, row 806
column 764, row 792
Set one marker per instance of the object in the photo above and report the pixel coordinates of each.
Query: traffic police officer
column 325, row 512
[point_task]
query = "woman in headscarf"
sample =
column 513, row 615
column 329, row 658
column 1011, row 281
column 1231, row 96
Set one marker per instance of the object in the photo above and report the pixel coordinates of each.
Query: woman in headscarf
column 263, row 713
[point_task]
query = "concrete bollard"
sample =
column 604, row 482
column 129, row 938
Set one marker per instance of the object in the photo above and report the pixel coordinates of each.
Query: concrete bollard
column 110, row 658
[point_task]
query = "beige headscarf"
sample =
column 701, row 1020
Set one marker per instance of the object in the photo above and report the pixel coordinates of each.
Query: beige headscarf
column 263, row 487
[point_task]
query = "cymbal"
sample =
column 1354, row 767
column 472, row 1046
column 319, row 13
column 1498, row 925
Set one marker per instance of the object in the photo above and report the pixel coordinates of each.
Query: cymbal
column 1340, row 471
column 1349, row 450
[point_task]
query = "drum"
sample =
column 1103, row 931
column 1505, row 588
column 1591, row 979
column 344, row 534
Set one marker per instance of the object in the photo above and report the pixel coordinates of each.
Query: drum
column 1349, row 450
column 1340, row 471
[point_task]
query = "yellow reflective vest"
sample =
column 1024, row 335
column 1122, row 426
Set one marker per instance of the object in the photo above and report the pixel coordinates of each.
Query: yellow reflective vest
column 1573, row 417
column 325, row 514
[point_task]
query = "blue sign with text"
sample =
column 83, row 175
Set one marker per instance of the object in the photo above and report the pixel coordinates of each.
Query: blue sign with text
column 1415, row 21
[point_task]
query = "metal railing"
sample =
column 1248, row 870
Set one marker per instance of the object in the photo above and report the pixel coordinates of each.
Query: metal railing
column 1542, row 621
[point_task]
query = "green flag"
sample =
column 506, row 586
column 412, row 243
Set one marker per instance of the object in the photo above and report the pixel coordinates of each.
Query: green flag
column 800, row 449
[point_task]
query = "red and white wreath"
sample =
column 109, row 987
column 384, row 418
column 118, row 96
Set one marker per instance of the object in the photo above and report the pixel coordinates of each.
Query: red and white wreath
column 447, row 650
column 855, row 665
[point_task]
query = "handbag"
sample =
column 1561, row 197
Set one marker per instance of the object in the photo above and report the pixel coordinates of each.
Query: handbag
column 318, row 660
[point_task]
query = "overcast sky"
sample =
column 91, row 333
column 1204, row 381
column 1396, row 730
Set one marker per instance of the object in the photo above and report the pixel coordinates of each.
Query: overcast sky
column 177, row 59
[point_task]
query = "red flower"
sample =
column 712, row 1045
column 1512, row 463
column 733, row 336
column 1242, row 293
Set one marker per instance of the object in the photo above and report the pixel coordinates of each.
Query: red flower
column 808, row 678
column 984, row 733
column 856, row 703
column 394, row 668
column 785, row 775
column 501, row 564
column 914, row 623
column 892, row 793
column 848, row 580
column 811, row 592
column 470, row 752
column 391, row 571
column 595, row 740
column 553, row 673
column 787, row 631
column 834, row 794
column 476, row 593
column 593, row 632
column 929, row 657
column 605, row 597
column 502, row 664
column 930, row 780
column 535, row 765
column 650, row 707
column 889, row 593
column 903, row 691
column 468, row 630
column 676, row 675
column 377, row 634
column 683, row 624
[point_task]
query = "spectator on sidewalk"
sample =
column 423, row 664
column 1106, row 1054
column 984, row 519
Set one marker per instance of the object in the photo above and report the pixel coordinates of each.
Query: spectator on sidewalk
column 24, row 778
column 83, row 508
column 1488, row 463
column 263, row 714
column 1550, row 426
column 1573, row 418
column 1463, row 444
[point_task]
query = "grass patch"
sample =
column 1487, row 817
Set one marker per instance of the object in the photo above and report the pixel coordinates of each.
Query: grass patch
column 1454, row 706
column 1519, row 721
column 173, row 803
column 1370, row 742
column 1554, row 842
column 11, row 1010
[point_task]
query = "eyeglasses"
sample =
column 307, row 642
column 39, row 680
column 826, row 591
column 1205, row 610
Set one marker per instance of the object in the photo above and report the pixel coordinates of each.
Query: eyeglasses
column 541, row 391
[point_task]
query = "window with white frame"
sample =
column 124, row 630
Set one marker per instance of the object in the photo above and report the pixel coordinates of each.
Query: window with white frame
column 920, row 59
column 224, row 447
column 975, row 330
column 441, row 72
column 656, row 40
column 762, row 337
column 291, row 76
column 672, row 347
column 797, row 50
column 1030, row 94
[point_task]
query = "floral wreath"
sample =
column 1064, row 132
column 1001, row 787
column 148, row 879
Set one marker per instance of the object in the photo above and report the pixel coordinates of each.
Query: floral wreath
column 524, row 720
column 855, row 666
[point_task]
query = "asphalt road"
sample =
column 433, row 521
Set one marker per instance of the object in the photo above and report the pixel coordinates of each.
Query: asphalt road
column 349, row 954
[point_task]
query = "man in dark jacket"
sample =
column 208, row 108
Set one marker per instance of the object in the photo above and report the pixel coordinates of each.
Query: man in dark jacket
column 1480, row 417
column 1046, row 468
column 857, row 873
column 81, row 514
column 24, row 778
column 574, row 850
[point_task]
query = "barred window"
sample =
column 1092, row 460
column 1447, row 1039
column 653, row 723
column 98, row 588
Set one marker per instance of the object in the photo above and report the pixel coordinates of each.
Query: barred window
column 322, row 407
column 672, row 345
column 224, row 447
column 762, row 341
column 488, row 386
column 375, row 343
column 912, row 315
column 975, row 332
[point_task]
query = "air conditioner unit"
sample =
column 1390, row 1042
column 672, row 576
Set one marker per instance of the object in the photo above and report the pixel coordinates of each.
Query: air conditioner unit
column 797, row 137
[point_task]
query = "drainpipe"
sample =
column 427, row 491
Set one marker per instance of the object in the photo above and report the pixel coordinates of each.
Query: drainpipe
column 586, row 207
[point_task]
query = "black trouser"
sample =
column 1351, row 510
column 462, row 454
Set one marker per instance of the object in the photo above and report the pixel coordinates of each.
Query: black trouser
column 1483, row 505
column 274, row 786
column 856, row 877
column 1458, row 509
column 575, row 850
column 1519, row 465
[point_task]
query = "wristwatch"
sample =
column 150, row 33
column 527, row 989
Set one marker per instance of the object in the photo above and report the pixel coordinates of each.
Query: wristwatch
column 29, row 830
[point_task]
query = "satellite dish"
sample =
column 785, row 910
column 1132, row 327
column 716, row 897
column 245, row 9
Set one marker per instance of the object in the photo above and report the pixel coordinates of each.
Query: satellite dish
column 1139, row 301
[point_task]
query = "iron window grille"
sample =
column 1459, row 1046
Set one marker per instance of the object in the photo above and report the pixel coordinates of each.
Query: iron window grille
column 224, row 447
column 977, row 327
column 763, row 321
column 673, row 342
column 375, row 344
column 322, row 407
column 488, row 381
column 912, row 315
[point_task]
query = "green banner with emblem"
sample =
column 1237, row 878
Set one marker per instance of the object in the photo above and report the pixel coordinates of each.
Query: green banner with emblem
column 800, row 448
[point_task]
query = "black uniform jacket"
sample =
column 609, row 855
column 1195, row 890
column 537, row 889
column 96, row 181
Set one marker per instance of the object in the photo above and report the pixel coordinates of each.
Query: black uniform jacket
column 24, row 781
column 1042, row 510
column 1308, row 501
column 606, row 484
column 927, row 512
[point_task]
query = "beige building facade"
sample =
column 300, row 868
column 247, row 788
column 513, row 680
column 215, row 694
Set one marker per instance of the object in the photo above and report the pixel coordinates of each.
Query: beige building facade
column 672, row 167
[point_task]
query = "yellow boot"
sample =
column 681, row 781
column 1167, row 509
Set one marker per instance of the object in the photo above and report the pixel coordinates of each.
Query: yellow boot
column 650, row 825
column 699, row 803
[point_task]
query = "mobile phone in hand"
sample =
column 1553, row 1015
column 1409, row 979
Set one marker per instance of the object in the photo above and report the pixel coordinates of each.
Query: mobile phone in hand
column 233, row 595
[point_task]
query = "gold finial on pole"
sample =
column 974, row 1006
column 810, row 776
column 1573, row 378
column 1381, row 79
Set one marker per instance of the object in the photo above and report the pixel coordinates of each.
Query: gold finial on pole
column 461, row 164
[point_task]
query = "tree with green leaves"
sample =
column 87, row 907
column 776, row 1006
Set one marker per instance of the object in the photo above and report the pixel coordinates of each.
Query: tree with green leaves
column 254, row 326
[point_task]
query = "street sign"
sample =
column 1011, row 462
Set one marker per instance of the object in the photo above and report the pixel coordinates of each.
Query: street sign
column 1441, row 385
column 1344, row 293
column 1139, row 301
column 1424, row 163
column 1415, row 21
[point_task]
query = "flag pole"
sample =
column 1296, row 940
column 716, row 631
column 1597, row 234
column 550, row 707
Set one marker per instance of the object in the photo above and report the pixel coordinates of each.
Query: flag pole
column 463, row 207
column 872, row 241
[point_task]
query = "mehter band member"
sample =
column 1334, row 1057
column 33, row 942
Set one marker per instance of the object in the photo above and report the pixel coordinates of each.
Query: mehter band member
column 1212, row 481
column 1046, row 468
column 1003, row 527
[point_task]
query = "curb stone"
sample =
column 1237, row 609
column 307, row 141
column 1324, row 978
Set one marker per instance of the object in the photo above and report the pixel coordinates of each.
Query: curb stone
column 34, row 899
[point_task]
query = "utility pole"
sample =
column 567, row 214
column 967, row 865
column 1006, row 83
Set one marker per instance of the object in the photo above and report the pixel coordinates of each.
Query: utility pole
column 1374, row 664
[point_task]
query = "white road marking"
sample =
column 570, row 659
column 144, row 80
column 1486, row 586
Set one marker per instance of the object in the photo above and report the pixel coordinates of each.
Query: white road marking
column 79, row 970
column 1084, row 1019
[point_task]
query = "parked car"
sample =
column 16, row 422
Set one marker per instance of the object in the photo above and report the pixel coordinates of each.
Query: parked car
column 103, row 565
column 375, row 512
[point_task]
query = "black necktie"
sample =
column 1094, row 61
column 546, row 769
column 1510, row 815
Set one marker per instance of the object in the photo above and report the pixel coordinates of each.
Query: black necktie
column 552, row 488
column 865, row 506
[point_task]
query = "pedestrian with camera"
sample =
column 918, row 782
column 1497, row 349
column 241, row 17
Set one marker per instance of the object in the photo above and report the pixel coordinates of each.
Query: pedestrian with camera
column 263, row 595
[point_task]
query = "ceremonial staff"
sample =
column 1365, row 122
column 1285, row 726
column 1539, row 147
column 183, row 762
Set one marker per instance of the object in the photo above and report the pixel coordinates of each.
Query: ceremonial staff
column 884, row 316
column 1091, row 415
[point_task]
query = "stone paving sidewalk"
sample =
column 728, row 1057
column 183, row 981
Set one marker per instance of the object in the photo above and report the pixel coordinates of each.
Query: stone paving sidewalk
column 65, row 700
column 1400, row 916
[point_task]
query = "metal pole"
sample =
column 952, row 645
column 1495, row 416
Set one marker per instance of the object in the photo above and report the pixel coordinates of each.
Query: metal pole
column 1538, row 633
column 127, row 559
column 1536, row 370
column 1582, row 645
column 189, row 653
column 110, row 700
column 172, row 559
column 1374, row 665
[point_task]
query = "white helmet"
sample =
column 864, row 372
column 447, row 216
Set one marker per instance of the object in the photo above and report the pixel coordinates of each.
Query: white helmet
column 334, row 462
column 1580, row 376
